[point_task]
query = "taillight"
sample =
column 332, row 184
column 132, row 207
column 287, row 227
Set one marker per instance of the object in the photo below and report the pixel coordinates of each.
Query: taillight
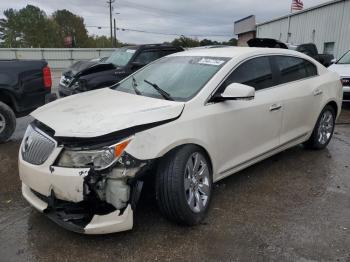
column 47, row 77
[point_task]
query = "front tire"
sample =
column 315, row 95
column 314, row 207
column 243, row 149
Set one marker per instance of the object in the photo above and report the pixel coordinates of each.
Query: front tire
column 184, row 185
column 7, row 122
column 324, row 129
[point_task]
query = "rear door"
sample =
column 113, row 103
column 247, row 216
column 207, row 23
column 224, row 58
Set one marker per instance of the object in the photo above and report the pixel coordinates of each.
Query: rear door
column 301, row 96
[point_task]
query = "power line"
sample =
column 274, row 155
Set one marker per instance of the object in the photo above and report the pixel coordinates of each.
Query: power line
column 161, row 33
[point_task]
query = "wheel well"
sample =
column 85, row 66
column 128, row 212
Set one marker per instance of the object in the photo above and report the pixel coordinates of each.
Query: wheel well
column 6, row 98
column 202, row 148
column 334, row 106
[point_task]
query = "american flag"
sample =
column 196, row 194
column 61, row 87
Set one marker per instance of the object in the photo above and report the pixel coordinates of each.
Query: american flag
column 297, row 5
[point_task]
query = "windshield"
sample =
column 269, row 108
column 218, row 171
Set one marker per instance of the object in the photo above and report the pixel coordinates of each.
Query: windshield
column 345, row 59
column 121, row 56
column 181, row 77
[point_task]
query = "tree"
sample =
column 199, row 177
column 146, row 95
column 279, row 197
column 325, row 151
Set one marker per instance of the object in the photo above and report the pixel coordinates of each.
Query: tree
column 101, row 42
column 184, row 41
column 9, row 29
column 206, row 42
column 232, row 41
column 72, row 25
column 28, row 27
column 190, row 42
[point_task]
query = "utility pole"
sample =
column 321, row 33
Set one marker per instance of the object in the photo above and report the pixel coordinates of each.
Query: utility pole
column 115, row 34
column 110, row 2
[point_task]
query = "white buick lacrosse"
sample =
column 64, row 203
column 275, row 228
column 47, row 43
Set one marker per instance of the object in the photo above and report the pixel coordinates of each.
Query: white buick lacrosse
column 188, row 119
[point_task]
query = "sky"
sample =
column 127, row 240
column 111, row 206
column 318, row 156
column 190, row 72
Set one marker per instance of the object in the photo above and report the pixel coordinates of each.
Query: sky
column 211, row 19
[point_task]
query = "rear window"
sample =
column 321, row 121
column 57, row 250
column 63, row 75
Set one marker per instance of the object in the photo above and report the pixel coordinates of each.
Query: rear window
column 294, row 68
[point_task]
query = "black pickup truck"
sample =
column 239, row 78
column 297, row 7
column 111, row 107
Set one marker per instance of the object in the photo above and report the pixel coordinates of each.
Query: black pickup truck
column 24, row 86
column 90, row 75
column 309, row 49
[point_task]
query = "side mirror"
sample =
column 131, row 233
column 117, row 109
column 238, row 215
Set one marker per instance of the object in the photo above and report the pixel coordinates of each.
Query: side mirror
column 236, row 91
column 333, row 61
column 136, row 65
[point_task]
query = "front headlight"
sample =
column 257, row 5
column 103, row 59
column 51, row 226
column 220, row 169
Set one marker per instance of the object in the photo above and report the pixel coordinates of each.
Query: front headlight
column 98, row 159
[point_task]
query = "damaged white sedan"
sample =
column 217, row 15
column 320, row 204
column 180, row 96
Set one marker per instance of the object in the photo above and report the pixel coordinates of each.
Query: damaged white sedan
column 188, row 120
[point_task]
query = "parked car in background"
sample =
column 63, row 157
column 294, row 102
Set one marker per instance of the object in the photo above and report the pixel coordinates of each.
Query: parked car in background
column 24, row 85
column 123, row 62
column 309, row 49
column 189, row 119
column 342, row 67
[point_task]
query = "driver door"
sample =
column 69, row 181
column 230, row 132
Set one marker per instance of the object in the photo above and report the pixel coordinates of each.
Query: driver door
column 248, row 129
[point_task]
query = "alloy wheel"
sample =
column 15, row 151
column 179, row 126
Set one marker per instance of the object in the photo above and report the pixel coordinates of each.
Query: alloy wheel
column 2, row 123
column 325, row 128
column 197, row 182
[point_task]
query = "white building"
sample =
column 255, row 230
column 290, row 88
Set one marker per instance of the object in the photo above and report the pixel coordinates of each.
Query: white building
column 327, row 25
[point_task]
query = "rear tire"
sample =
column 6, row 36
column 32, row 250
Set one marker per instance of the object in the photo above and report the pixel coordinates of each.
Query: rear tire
column 323, row 131
column 7, row 122
column 184, row 185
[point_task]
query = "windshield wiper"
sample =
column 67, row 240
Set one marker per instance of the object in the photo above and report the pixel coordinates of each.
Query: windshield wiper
column 134, row 86
column 164, row 94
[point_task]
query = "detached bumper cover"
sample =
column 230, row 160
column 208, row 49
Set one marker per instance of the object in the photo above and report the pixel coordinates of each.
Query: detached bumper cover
column 59, row 194
column 64, row 91
column 98, row 224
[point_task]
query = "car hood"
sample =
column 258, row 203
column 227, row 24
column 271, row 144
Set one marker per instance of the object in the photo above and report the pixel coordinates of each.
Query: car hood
column 342, row 70
column 90, row 69
column 78, row 67
column 104, row 111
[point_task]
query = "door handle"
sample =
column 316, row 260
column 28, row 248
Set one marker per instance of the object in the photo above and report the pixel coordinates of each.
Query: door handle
column 275, row 107
column 318, row 92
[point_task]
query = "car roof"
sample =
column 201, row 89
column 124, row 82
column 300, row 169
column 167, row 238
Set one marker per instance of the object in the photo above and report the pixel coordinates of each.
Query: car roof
column 161, row 46
column 233, row 52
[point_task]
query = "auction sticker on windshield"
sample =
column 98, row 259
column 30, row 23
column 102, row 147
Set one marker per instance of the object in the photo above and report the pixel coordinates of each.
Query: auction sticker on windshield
column 210, row 61
column 130, row 51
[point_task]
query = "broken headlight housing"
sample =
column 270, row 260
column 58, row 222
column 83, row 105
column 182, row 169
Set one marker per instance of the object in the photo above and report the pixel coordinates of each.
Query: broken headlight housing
column 98, row 159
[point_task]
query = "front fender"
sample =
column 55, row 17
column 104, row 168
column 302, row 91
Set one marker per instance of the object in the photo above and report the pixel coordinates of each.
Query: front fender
column 156, row 142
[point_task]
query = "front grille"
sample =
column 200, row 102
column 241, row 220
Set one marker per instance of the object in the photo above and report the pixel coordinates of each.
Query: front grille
column 36, row 146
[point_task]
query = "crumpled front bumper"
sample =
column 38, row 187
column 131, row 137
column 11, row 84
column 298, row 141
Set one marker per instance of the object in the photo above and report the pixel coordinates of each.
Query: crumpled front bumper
column 64, row 91
column 99, row 224
column 44, row 185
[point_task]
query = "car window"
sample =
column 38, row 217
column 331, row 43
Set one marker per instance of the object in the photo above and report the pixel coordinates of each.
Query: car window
column 121, row 56
column 147, row 57
column 294, row 68
column 256, row 73
column 345, row 59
